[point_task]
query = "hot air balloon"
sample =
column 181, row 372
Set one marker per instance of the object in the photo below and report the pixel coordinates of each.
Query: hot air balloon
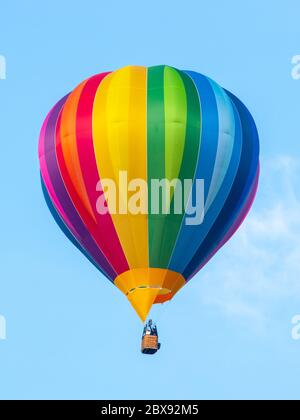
column 103, row 144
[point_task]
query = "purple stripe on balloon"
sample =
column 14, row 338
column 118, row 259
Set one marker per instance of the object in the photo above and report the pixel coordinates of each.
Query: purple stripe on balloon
column 82, row 234
column 45, row 175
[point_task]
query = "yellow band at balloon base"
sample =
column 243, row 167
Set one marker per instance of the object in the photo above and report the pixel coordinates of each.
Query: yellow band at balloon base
column 144, row 287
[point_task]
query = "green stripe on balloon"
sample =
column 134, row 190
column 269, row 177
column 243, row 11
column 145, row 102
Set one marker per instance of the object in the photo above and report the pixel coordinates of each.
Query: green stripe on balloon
column 155, row 149
column 178, row 145
column 175, row 118
column 175, row 100
column 187, row 169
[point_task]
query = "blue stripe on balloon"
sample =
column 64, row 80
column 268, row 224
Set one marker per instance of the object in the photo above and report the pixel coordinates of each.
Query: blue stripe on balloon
column 243, row 185
column 218, row 203
column 209, row 128
column 183, row 249
column 225, row 143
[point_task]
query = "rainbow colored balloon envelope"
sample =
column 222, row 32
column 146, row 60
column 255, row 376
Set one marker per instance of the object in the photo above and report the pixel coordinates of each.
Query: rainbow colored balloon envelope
column 117, row 138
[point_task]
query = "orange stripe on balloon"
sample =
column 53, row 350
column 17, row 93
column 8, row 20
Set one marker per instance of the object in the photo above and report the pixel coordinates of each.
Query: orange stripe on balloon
column 69, row 146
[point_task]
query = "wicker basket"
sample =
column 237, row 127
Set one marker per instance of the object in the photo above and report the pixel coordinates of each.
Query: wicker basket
column 149, row 344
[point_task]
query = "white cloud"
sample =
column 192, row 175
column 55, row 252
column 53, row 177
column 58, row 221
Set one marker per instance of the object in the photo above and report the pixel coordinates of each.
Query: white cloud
column 260, row 267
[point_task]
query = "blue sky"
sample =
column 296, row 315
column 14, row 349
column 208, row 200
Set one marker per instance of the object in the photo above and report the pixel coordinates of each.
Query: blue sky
column 70, row 334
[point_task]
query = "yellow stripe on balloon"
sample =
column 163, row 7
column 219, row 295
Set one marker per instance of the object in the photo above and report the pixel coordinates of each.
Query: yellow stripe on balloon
column 69, row 146
column 120, row 143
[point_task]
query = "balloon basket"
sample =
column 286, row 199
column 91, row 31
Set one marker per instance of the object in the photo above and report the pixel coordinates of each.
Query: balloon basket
column 150, row 344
